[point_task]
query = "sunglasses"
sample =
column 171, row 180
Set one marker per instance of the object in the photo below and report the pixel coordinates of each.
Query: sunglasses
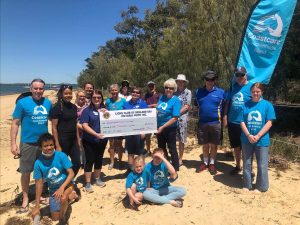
column 170, row 88
column 136, row 92
column 239, row 74
column 207, row 79
column 65, row 86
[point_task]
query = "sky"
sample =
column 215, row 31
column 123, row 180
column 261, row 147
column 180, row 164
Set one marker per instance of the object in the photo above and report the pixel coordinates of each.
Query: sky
column 50, row 39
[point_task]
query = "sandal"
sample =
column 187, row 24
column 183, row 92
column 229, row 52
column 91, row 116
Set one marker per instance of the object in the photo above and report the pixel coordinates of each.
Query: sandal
column 23, row 210
column 110, row 166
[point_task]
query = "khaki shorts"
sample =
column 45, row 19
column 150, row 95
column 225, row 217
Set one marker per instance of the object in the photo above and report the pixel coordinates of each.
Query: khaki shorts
column 29, row 153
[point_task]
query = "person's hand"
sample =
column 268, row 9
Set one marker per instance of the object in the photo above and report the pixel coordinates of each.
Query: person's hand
column 35, row 211
column 59, row 192
column 252, row 139
column 158, row 154
column 159, row 130
column 143, row 136
column 136, row 201
column 103, row 110
column 58, row 147
column 100, row 136
column 15, row 150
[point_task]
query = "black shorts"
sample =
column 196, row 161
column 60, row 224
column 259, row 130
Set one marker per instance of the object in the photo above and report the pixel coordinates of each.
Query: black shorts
column 134, row 144
column 209, row 133
column 234, row 133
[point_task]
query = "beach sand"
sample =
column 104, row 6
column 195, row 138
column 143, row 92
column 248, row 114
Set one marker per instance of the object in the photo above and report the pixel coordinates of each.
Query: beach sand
column 210, row 199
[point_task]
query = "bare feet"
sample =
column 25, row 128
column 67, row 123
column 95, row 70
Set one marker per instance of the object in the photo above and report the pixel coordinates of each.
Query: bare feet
column 176, row 203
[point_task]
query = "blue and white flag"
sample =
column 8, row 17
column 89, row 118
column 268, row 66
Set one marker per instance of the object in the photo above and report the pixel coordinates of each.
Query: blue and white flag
column 263, row 38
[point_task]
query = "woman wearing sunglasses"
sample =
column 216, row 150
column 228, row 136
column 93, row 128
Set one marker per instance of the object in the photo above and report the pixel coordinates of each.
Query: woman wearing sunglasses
column 168, row 111
column 64, row 125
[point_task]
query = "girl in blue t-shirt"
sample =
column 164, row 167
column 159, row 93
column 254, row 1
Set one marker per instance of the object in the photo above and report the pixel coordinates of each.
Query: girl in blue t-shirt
column 136, row 182
column 256, row 120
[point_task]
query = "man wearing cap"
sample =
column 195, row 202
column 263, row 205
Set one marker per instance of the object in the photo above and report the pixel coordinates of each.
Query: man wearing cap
column 185, row 97
column 31, row 113
column 238, row 95
column 151, row 98
column 209, row 100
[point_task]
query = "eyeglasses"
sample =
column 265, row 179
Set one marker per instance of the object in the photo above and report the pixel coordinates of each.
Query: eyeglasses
column 136, row 92
column 66, row 86
column 207, row 79
column 170, row 88
column 240, row 74
column 97, row 97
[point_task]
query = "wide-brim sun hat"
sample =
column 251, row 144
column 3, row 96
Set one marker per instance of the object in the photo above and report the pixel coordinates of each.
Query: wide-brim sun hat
column 181, row 77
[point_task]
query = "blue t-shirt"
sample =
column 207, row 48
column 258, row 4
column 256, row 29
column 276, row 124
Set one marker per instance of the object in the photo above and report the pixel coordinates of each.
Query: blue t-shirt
column 237, row 97
column 53, row 170
column 113, row 105
column 210, row 105
column 90, row 116
column 255, row 115
column 139, row 104
column 167, row 108
column 34, row 118
column 157, row 175
column 139, row 179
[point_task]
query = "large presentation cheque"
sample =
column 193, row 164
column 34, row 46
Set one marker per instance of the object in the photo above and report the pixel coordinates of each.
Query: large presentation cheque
column 128, row 122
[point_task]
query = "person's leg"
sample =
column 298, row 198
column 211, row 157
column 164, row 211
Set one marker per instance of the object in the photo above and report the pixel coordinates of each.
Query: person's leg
column 262, row 157
column 54, row 208
column 205, row 149
column 120, row 149
column 181, row 151
column 234, row 132
column 75, row 158
column 171, row 141
column 148, row 143
column 247, row 166
column 98, row 155
column 90, row 158
column 175, row 192
column 25, row 179
column 153, row 195
column 161, row 142
column 64, row 203
column 111, row 151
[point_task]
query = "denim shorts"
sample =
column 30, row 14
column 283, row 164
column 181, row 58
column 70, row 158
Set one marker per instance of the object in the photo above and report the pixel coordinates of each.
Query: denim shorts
column 54, row 204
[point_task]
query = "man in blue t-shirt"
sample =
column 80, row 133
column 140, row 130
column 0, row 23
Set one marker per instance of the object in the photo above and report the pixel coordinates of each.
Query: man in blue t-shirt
column 238, row 95
column 56, row 169
column 31, row 113
column 210, row 101
column 160, row 191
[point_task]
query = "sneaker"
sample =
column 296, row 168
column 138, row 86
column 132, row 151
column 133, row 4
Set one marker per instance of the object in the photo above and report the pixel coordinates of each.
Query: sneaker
column 100, row 183
column 88, row 188
column 201, row 168
column 212, row 169
column 235, row 171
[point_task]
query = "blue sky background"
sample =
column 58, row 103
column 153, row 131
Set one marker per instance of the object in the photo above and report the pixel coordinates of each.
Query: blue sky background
column 51, row 39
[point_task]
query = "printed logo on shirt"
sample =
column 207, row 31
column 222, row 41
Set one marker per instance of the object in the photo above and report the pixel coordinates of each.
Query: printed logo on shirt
column 162, row 106
column 53, row 172
column 254, row 121
column 238, row 97
column 254, row 115
column 159, row 175
column 54, row 176
column 40, row 115
column 139, row 181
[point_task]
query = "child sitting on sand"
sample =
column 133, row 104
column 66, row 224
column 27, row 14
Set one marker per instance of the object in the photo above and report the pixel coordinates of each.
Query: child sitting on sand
column 160, row 191
column 136, row 182
column 56, row 168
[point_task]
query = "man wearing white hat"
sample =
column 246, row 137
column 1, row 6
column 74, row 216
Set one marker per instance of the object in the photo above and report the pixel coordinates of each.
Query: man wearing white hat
column 185, row 97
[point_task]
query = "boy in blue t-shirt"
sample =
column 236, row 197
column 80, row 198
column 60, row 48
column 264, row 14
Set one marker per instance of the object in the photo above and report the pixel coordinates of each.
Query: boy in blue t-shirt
column 56, row 169
column 136, row 182
column 160, row 191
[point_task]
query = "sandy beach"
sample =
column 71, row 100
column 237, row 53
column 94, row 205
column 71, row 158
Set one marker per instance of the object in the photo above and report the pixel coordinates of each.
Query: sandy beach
column 210, row 199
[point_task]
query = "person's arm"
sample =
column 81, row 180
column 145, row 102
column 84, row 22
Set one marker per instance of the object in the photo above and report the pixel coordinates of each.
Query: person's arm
column 13, row 136
column 60, row 191
column 89, row 130
column 250, row 137
column 38, row 194
column 264, row 130
column 55, row 134
column 131, row 196
column 169, row 123
column 226, row 108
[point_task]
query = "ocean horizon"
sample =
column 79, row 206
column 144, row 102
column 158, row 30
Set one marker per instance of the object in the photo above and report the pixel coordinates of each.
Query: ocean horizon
column 18, row 88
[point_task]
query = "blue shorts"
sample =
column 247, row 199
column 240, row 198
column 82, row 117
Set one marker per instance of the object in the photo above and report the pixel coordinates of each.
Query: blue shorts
column 54, row 204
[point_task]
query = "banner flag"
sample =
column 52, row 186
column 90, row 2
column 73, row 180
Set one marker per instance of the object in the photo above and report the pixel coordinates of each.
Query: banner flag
column 263, row 38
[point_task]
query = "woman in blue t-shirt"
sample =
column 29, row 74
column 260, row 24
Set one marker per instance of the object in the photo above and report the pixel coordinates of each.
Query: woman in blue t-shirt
column 256, row 120
column 93, row 140
column 168, row 111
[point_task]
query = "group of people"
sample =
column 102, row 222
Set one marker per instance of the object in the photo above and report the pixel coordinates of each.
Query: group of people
column 76, row 134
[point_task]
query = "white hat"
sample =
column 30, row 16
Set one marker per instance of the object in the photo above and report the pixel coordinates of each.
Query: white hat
column 182, row 77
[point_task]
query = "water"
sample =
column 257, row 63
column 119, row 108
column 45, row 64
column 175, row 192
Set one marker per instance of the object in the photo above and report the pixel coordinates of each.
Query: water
column 8, row 89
